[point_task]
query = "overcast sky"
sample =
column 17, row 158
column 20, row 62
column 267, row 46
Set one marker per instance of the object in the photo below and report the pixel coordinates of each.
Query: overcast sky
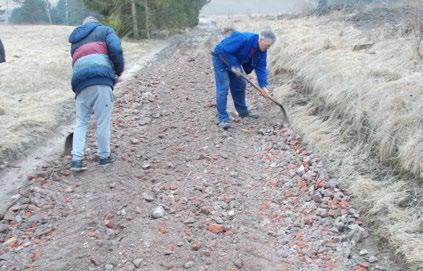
column 252, row 6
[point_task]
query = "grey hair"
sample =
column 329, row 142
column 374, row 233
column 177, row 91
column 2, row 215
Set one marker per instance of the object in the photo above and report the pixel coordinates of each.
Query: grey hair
column 268, row 35
column 90, row 19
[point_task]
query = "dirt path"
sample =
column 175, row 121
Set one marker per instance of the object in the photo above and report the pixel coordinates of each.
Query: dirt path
column 11, row 176
column 251, row 198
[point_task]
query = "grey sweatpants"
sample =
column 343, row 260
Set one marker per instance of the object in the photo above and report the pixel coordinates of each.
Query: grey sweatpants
column 97, row 100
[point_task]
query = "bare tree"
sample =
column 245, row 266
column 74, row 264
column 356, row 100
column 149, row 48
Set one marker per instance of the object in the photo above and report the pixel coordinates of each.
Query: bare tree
column 134, row 15
column 147, row 18
column 47, row 8
column 134, row 19
column 7, row 11
column 416, row 23
column 66, row 12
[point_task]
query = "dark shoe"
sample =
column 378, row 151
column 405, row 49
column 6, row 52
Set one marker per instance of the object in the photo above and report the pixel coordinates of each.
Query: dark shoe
column 78, row 166
column 250, row 115
column 105, row 161
column 224, row 125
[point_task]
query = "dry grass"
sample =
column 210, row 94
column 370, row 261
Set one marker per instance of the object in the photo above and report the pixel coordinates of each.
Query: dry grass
column 35, row 83
column 415, row 22
column 358, row 103
column 351, row 83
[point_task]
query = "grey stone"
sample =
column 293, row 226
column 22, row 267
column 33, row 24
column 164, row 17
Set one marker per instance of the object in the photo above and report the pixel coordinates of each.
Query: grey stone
column 300, row 171
column 354, row 213
column 158, row 212
column 18, row 219
column 190, row 220
column 157, row 188
column 348, row 252
column 218, row 219
column 339, row 196
column 129, row 266
column 327, row 193
column 339, row 224
column 148, row 96
column 16, row 197
column 372, row 259
column 18, row 207
column 357, row 233
column 144, row 121
column 7, row 257
column 379, row 267
column 363, row 252
column 308, row 176
column 8, row 217
column 284, row 253
column 121, row 212
column 2, row 213
column 147, row 196
column 146, row 166
column 138, row 262
column 189, row 265
column 239, row 263
column 4, row 228
column 331, row 184
column 322, row 212
column 108, row 266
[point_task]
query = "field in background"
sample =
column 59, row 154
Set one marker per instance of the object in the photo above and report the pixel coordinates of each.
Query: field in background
column 217, row 7
column 35, row 84
column 354, row 91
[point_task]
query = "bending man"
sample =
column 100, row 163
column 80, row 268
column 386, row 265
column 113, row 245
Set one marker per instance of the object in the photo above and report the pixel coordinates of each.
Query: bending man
column 247, row 51
column 97, row 64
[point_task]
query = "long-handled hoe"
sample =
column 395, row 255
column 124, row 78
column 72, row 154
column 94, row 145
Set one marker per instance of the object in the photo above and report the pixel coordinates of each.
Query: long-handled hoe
column 259, row 89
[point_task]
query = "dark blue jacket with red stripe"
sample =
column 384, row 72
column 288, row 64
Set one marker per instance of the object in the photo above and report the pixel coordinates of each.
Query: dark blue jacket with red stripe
column 97, row 57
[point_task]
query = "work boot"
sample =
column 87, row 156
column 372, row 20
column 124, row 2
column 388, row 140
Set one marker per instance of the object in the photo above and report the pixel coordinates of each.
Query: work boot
column 78, row 166
column 109, row 160
column 224, row 125
column 250, row 114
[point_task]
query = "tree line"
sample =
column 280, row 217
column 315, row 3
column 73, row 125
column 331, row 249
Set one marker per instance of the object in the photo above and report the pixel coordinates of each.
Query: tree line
column 133, row 18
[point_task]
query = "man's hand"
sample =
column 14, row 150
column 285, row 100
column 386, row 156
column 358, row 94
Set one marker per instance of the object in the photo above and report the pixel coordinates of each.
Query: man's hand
column 264, row 92
column 119, row 80
column 236, row 71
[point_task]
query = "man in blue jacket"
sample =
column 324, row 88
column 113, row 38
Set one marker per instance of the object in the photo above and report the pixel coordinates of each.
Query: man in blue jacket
column 247, row 51
column 97, row 62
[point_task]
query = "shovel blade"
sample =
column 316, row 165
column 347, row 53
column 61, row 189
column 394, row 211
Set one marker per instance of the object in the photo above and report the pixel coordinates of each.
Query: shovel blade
column 68, row 144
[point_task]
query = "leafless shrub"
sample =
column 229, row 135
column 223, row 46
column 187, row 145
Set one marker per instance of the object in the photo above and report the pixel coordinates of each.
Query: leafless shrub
column 415, row 22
